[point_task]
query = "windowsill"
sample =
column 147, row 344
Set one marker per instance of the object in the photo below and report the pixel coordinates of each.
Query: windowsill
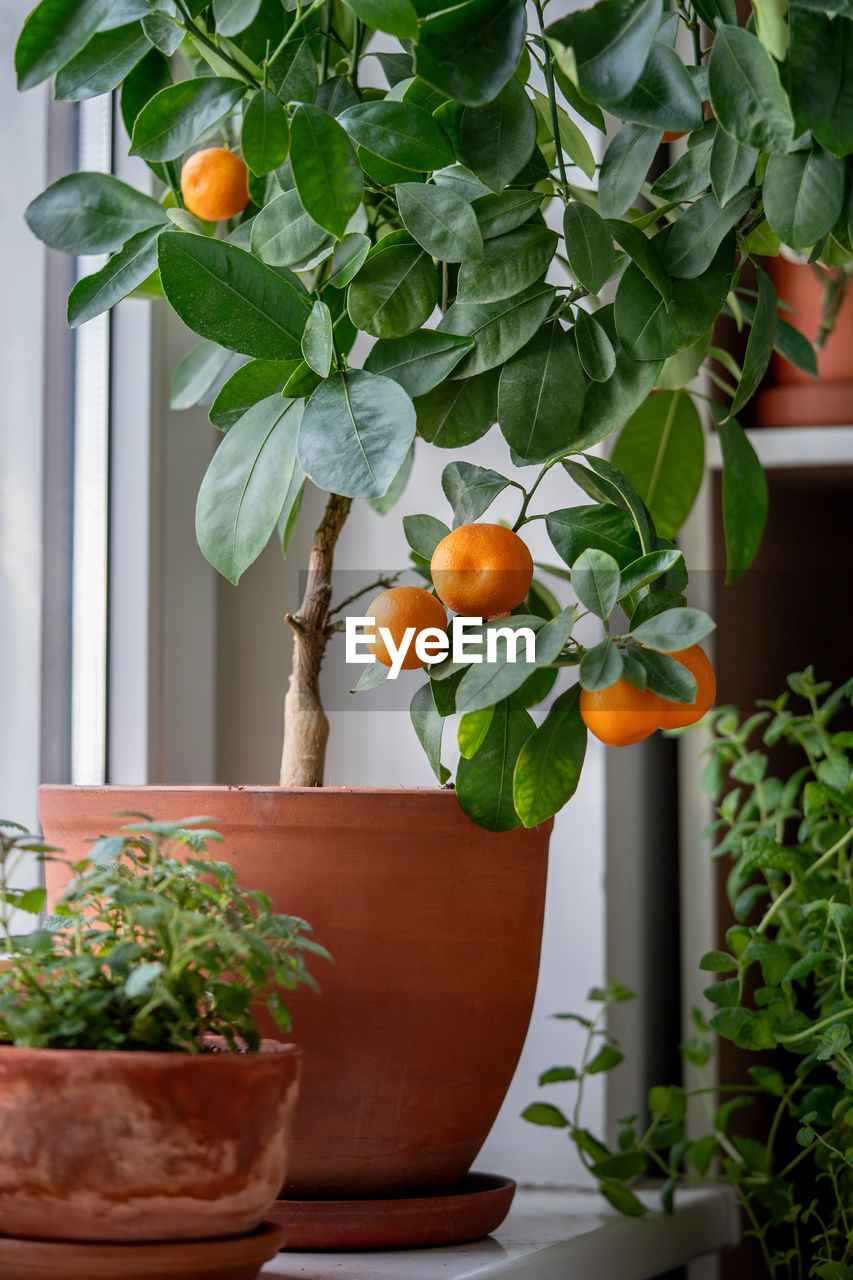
column 549, row 1235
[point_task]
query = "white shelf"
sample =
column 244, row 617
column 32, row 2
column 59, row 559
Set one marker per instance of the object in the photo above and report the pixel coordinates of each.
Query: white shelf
column 549, row 1235
column 794, row 447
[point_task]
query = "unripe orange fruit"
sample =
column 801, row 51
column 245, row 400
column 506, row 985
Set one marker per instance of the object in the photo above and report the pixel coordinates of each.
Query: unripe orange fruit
column 215, row 184
column 397, row 609
column 482, row 570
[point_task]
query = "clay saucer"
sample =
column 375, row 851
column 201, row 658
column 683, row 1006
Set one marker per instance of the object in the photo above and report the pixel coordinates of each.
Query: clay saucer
column 418, row 1220
column 234, row 1258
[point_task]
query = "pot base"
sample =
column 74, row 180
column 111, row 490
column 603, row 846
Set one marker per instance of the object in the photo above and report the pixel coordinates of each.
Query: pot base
column 417, row 1220
column 234, row 1258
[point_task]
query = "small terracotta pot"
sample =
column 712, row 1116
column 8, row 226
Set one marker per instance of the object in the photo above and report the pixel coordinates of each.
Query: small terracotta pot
column 435, row 928
column 113, row 1146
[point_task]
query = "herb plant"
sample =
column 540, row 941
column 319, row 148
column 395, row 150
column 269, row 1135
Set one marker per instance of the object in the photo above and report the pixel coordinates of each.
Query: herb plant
column 783, row 989
column 144, row 951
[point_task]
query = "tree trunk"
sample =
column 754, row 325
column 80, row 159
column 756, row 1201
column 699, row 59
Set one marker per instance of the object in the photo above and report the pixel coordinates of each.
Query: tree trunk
column 306, row 727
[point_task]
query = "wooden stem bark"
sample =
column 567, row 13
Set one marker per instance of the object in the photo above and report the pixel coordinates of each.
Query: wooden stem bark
column 306, row 727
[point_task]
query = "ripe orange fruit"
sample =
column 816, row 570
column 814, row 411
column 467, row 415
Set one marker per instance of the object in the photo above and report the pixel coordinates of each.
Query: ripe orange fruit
column 215, row 184
column 397, row 609
column 481, row 570
column 621, row 715
column 675, row 715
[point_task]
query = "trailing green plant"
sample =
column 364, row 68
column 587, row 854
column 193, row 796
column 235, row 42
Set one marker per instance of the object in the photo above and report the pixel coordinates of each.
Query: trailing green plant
column 783, row 989
column 144, row 951
column 459, row 220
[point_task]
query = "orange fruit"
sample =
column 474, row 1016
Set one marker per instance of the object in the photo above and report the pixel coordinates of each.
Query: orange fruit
column 215, row 184
column 482, row 570
column 621, row 715
column 397, row 609
column 675, row 715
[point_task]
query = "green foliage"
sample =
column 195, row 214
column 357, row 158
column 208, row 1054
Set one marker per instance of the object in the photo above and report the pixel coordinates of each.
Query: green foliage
column 145, row 950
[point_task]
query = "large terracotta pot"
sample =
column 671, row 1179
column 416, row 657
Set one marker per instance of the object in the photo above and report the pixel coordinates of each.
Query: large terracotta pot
column 127, row 1146
column 435, row 928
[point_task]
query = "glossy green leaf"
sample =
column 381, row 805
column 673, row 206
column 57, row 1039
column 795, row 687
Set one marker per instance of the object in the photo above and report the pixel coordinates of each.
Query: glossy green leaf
column 541, row 395
column 648, row 569
column 429, row 727
column 674, row 630
column 86, row 213
column 508, row 264
column 265, row 136
column 98, row 292
column 420, row 361
column 253, row 381
column 470, row 490
column 347, row 259
column 469, row 51
column 589, row 246
column 226, row 294
column 732, row 166
column 626, row 162
column 609, row 404
column 394, row 292
column 197, row 373
column 163, row 31
column 595, row 581
column 746, row 93
column 233, row 16
column 771, row 26
column 473, row 728
column 601, row 666
column 689, row 175
column 573, row 529
column 744, row 498
column 484, row 784
column 661, row 449
column 398, row 17
column 53, row 33
column 325, row 168
column 664, row 96
column 832, row 124
column 681, row 368
column 457, row 412
column 243, row 491
column 499, row 329
column 285, row 235
column 147, row 78
column 181, row 113
column 102, row 65
column 572, row 138
column 789, row 342
column 317, row 348
column 487, row 683
column 293, row 69
column 423, row 534
column 759, row 348
column 699, row 232
column 594, row 347
column 498, row 214
column 644, row 252
column 459, row 178
column 441, row 221
column 611, row 42
column 399, row 132
column 355, row 434
column 498, row 139
column 604, row 482
column 665, row 676
column 803, row 195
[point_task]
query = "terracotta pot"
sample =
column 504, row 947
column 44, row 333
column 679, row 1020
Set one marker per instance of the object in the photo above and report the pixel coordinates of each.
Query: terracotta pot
column 435, row 928
column 114, row 1146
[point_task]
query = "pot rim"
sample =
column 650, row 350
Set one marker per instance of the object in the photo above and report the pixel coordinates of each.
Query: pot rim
column 252, row 788
column 271, row 1049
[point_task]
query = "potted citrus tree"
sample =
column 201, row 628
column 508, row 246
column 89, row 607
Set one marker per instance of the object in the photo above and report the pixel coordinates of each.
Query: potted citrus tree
column 127, row 1044
column 457, row 219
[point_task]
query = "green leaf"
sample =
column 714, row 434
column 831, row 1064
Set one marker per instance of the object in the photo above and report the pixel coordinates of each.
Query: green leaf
column 325, row 168
column 549, row 765
column 243, row 491
column 457, row 177
column 744, row 498
column 601, row 666
column 398, row 485
column 336, row 94
column 589, row 246
column 572, row 139
column 596, row 581
column 423, row 534
column 86, row 213
column 355, row 434
column 573, row 529
column 594, row 347
column 771, row 26
column 484, row 784
column 508, row 264
column 441, row 221
column 252, row 382
column 226, row 294
column 233, row 16
column 746, row 93
column 732, row 166
column 623, row 1200
column 803, row 194
column 673, row 630
column 498, row 214
column 317, row 348
column 293, row 69
column 664, row 96
column 197, row 373
column 645, row 253
column 540, row 395
column 747, row 1029
column 429, row 727
column 285, row 235
column 265, row 136
column 470, row 490
column 545, row 1113
column 789, row 342
column 420, row 361
column 400, row 132
column 690, row 174
column 102, row 65
column 759, row 348
column 470, row 51
column 628, row 1164
column 473, row 728
column 498, row 139
column 394, row 292
column 697, row 235
column 398, row 17
column 611, row 42
column 53, row 33
column 666, row 676
column 458, row 412
column 163, row 32
column 609, row 404
column 606, row 483
column 485, row 684
column 625, row 165
column 499, row 329
column 661, row 450
column 347, row 259
column 180, row 114
column 647, row 569
column 98, row 292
